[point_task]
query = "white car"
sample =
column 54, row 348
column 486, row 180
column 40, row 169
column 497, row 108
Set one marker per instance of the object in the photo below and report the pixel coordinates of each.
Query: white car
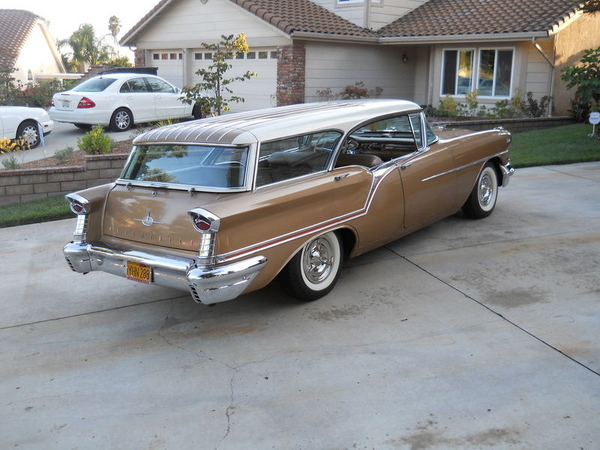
column 118, row 100
column 29, row 123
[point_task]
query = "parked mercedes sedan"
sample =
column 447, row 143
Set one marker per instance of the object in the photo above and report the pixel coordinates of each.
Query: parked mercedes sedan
column 118, row 100
column 223, row 206
column 31, row 124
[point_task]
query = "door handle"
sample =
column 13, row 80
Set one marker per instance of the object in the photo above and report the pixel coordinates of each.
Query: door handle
column 340, row 177
column 406, row 165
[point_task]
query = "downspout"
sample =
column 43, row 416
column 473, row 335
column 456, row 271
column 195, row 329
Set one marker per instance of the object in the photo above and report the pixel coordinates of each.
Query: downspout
column 551, row 90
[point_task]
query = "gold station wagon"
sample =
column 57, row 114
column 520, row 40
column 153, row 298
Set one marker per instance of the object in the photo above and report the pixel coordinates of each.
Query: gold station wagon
column 220, row 207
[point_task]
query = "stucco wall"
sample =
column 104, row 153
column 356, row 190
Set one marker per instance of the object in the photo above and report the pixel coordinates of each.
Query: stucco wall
column 335, row 66
column 582, row 34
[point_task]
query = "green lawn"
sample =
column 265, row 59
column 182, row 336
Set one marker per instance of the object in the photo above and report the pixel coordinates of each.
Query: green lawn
column 560, row 145
column 44, row 210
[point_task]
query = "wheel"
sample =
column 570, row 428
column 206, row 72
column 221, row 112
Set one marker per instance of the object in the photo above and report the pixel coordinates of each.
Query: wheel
column 314, row 270
column 121, row 120
column 30, row 133
column 83, row 126
column 197, row 111
column 483, row 197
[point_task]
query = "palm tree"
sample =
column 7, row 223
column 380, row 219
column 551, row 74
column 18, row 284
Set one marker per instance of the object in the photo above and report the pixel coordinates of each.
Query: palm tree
column 114, row 26
column 87, row 48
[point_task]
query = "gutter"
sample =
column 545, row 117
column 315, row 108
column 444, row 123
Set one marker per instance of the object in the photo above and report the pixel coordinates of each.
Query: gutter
column 319, row 37
column 459, row 38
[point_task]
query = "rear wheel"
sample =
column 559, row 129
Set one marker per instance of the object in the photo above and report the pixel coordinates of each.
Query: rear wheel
column 483, row 197
column 313, row 271
column 30, row 133
column 121, row 120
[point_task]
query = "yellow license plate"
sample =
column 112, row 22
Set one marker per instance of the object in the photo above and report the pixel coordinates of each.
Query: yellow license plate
column 139, row 272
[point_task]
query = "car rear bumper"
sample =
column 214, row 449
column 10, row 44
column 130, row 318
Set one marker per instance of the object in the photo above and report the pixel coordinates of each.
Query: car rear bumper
column 206, row 284
column 85, row 116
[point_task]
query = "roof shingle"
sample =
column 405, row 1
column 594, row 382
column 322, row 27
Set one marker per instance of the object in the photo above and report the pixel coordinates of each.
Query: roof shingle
column 476, row 17
column 15, row 27
column 302, row 16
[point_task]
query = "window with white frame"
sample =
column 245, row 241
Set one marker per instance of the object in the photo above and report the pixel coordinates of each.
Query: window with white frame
column 487, row 70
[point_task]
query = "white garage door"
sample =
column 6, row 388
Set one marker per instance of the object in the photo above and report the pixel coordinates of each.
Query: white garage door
column 259, row 91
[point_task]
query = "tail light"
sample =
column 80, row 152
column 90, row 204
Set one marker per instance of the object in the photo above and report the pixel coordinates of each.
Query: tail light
column 85, row 103
column 204, row 221
column 78, row 204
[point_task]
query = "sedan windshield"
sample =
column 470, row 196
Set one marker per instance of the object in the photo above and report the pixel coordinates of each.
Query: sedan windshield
column 94, row 85
column 196, row 165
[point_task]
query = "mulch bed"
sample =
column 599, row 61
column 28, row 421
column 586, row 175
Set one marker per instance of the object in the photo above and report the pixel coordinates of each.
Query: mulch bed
column 76, row 159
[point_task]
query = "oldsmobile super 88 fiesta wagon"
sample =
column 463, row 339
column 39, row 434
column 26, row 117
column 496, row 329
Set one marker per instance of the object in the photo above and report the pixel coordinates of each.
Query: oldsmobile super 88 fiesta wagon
column 222, row 206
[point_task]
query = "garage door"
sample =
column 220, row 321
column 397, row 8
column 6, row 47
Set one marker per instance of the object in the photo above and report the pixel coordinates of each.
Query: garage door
column 258, row 92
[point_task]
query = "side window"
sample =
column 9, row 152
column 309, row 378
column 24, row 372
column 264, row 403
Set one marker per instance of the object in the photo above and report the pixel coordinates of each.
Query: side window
column 137, row 85
column 382, row 140
column 157, row 85
column 295, row 156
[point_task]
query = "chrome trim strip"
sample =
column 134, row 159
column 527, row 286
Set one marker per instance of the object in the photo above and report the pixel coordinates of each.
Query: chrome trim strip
column 456, row 169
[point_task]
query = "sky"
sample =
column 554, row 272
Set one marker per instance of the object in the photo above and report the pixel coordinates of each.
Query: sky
column 65, row 16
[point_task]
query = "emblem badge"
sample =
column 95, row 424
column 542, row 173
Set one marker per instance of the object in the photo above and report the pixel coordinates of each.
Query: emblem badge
column 148, row 221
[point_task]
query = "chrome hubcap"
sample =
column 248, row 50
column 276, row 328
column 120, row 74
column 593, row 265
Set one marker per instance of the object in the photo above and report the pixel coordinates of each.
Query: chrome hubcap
column 486, row 190
column 318, row 260
column 30, row 136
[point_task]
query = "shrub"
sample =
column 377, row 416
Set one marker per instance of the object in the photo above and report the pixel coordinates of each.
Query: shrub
column 63, row 155
column 95, row 142
column 351, row 91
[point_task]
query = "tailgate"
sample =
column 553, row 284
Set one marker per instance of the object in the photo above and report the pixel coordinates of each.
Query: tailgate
column 153, row 216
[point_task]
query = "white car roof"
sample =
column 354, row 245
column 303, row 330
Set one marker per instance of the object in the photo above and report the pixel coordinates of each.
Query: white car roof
column 275, row 123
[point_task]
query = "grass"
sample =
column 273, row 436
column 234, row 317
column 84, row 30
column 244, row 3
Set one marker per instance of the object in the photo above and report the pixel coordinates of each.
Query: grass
column 36, row 211
column 561, row 145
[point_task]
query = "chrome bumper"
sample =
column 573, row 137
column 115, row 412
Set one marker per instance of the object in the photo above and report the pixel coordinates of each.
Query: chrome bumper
column 507, row 172
column 207, row 284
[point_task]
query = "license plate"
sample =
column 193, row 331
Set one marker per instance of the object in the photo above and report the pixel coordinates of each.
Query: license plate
column 139, row 272
column 65, row 104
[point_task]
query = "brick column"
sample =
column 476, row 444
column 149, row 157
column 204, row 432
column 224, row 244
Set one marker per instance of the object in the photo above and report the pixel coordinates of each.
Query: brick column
column 291, row 74
column 139, row 58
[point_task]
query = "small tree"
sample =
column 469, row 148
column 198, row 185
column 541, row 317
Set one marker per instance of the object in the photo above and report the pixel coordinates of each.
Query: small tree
column 213, row 93
column 585, row 77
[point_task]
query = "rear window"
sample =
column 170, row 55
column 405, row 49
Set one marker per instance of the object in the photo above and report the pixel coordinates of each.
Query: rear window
column 196, row 165
column 94, row 85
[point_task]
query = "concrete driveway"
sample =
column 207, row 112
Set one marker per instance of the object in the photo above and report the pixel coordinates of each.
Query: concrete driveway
column 465, row 335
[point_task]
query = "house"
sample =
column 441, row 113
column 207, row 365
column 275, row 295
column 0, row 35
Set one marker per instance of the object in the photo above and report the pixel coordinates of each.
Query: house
column 420, row 50
column 25, row 44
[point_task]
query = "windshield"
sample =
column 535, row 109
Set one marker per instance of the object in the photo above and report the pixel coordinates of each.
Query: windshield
column 196, row 165
column 94, row 85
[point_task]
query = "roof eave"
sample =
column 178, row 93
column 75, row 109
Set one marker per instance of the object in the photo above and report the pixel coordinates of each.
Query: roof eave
column 313, row 36
column 128, row 39
column 463, row 38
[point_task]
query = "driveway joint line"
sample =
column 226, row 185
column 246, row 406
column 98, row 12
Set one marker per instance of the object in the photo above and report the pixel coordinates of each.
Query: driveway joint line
column 514, row 324
column 56, row 319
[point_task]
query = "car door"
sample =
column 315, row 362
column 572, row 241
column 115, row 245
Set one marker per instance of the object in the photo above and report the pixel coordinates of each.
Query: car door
column 428, row 178
column 166, row 100
column 136, row 94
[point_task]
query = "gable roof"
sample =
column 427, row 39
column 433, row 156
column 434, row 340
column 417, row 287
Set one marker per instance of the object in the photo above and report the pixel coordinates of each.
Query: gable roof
column 433, row 21
column 478, row 18
column 15, row 27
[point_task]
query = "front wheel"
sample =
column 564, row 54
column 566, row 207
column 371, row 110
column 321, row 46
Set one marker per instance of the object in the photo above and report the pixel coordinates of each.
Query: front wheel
column 121, row 120
column 313, row 271
column 483, row 197
column 30, row 133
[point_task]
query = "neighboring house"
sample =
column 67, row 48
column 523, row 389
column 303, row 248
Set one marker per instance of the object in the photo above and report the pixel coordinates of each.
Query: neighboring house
column 26, row 45
column 419, row 50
